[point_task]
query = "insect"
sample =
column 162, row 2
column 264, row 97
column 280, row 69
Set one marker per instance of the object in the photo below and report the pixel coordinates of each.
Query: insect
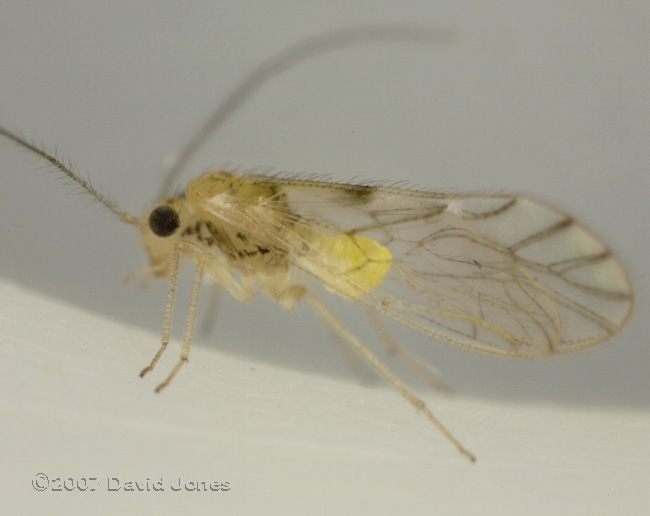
column 500, row 274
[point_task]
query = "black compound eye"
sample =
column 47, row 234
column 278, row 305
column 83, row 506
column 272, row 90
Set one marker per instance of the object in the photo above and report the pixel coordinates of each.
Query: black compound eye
column 164, row 221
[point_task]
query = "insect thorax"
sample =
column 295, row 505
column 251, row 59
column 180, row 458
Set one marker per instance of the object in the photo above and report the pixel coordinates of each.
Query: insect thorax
column 232, row 220
column 245, row 224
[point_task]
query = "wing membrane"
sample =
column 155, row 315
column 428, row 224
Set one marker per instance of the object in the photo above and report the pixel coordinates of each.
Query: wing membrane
column 500, row 274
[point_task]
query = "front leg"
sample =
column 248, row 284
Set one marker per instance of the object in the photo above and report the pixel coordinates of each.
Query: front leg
column 216, row 271
column 204, row 262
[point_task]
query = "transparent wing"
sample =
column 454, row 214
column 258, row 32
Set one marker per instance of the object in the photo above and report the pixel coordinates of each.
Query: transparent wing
column 500, row 274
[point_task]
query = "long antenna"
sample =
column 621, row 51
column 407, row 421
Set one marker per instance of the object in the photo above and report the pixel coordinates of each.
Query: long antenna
column 124, row 216
column 289, row 57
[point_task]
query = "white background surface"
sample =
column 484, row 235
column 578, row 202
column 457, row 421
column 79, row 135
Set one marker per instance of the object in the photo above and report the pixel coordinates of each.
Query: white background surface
column 550, row 100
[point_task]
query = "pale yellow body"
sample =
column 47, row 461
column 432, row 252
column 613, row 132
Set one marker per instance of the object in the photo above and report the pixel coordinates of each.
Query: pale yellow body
column 247, row 227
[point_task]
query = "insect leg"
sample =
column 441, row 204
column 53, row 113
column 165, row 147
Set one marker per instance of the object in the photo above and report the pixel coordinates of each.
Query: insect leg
column 353, row 361
column 204, row 262
column 189, row 326
column 169, row 308
column 379, row 366
column 395, row 349
column 207, row 324
column 215, row 270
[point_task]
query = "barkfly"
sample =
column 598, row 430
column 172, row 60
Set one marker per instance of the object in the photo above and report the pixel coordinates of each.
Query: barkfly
column 500, row 274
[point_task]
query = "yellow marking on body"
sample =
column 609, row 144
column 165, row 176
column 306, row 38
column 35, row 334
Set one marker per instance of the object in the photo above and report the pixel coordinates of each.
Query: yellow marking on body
column 353, row 265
